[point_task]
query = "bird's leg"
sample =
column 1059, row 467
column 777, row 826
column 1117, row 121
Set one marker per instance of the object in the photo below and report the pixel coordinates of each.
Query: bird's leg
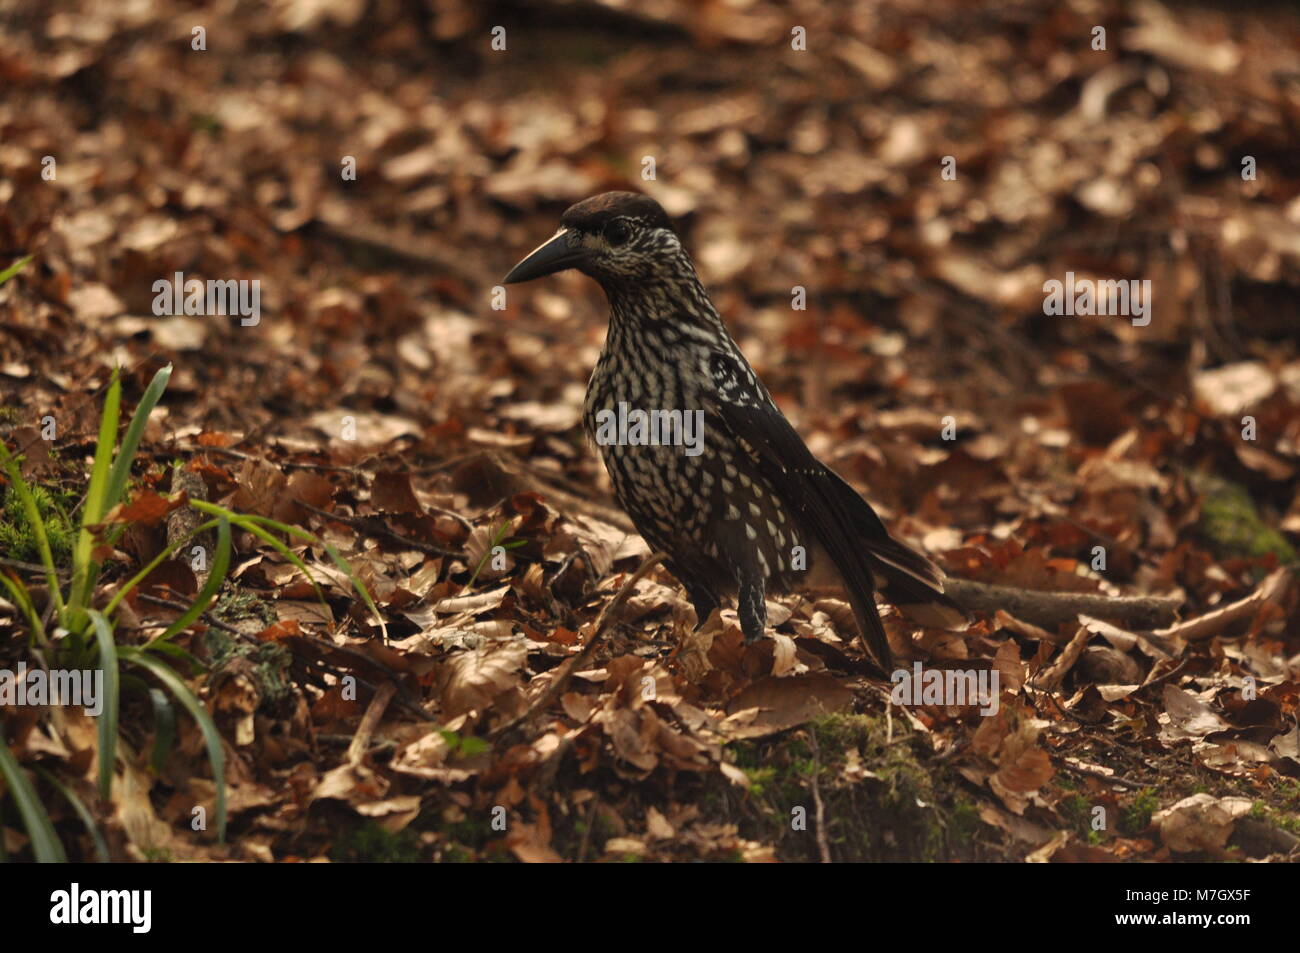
column 699, row 592
column 750, row 605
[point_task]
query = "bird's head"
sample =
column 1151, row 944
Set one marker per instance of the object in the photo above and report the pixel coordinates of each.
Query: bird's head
column 616, row 238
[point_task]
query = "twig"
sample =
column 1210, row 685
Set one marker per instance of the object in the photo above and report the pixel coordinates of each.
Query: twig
column 402, row 246
column 30, row 567
column 370, row 721
column 1049, row 679
column 603, row 624
column 1101, row 776
column 345, row 740
column 1056, row 701
column 372, row 526
column 241, row 455
column 1051, row 609
column 206, row 616
column 822, row 847
column 404, row 697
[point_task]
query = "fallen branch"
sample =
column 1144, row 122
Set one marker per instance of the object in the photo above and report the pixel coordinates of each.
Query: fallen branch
column 1052, row 609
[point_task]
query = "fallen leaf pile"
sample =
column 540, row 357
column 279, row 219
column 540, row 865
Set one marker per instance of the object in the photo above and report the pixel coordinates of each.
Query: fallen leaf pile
column 384, row 402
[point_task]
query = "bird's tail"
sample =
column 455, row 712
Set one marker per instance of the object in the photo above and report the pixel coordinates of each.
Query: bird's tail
column 915, row 584
column 907, row 578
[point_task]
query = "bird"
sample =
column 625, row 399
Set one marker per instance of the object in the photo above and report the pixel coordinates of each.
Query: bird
column 741, row 507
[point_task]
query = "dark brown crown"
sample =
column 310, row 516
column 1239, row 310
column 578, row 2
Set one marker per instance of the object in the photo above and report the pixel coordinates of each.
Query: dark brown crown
column 591, row 215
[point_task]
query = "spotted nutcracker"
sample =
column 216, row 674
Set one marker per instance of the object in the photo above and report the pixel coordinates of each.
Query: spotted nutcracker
column 751, row 510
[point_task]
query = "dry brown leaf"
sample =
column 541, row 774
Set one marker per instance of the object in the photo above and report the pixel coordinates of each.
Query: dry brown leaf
column 770, row 704
column 1187, row 717
column 1201, row 822
column 473, row 678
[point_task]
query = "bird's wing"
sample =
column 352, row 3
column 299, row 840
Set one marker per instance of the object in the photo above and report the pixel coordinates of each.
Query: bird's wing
column 847, row 527
column 802, row 484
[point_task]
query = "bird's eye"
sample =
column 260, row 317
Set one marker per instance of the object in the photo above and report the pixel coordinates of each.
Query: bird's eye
column 616, row 233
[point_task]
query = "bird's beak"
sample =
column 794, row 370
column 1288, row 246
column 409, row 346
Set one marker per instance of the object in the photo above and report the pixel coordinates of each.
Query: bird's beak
column 554, row 254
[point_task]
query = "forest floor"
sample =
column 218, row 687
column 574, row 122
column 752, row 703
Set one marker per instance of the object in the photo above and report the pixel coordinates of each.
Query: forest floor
column 381, row 403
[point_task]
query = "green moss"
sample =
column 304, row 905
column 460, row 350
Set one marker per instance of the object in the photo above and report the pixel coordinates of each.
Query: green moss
column 965, row 821
column 1288, row 794
column 18, row 541
column 270, row 662
column 239, row 604
column 371, row 843
column 1232, row 526
column 902, row 811
column 1076, row 812
column 1136, row 817
column 1285, row 820
column 760, row 779
column 463, row 841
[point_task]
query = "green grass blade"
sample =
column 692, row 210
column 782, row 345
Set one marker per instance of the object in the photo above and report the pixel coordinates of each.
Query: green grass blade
column 284, row 551
column 220, row 563
column 335, row 557
column 343, row 566
column 108, row 717
column 14, row 269
column 255, row 524
column 93, row 510
column 164, row 729
column 497, row 537
column 190, row 702
column 177, row 655
column 24, row 600
column 45, row 843
column 252, row 524
column 101, row 846
column 131, row 441
column 153, row 564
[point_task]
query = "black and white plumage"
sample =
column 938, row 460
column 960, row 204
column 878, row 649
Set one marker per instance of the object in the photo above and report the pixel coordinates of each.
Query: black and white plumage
column 754, row 511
